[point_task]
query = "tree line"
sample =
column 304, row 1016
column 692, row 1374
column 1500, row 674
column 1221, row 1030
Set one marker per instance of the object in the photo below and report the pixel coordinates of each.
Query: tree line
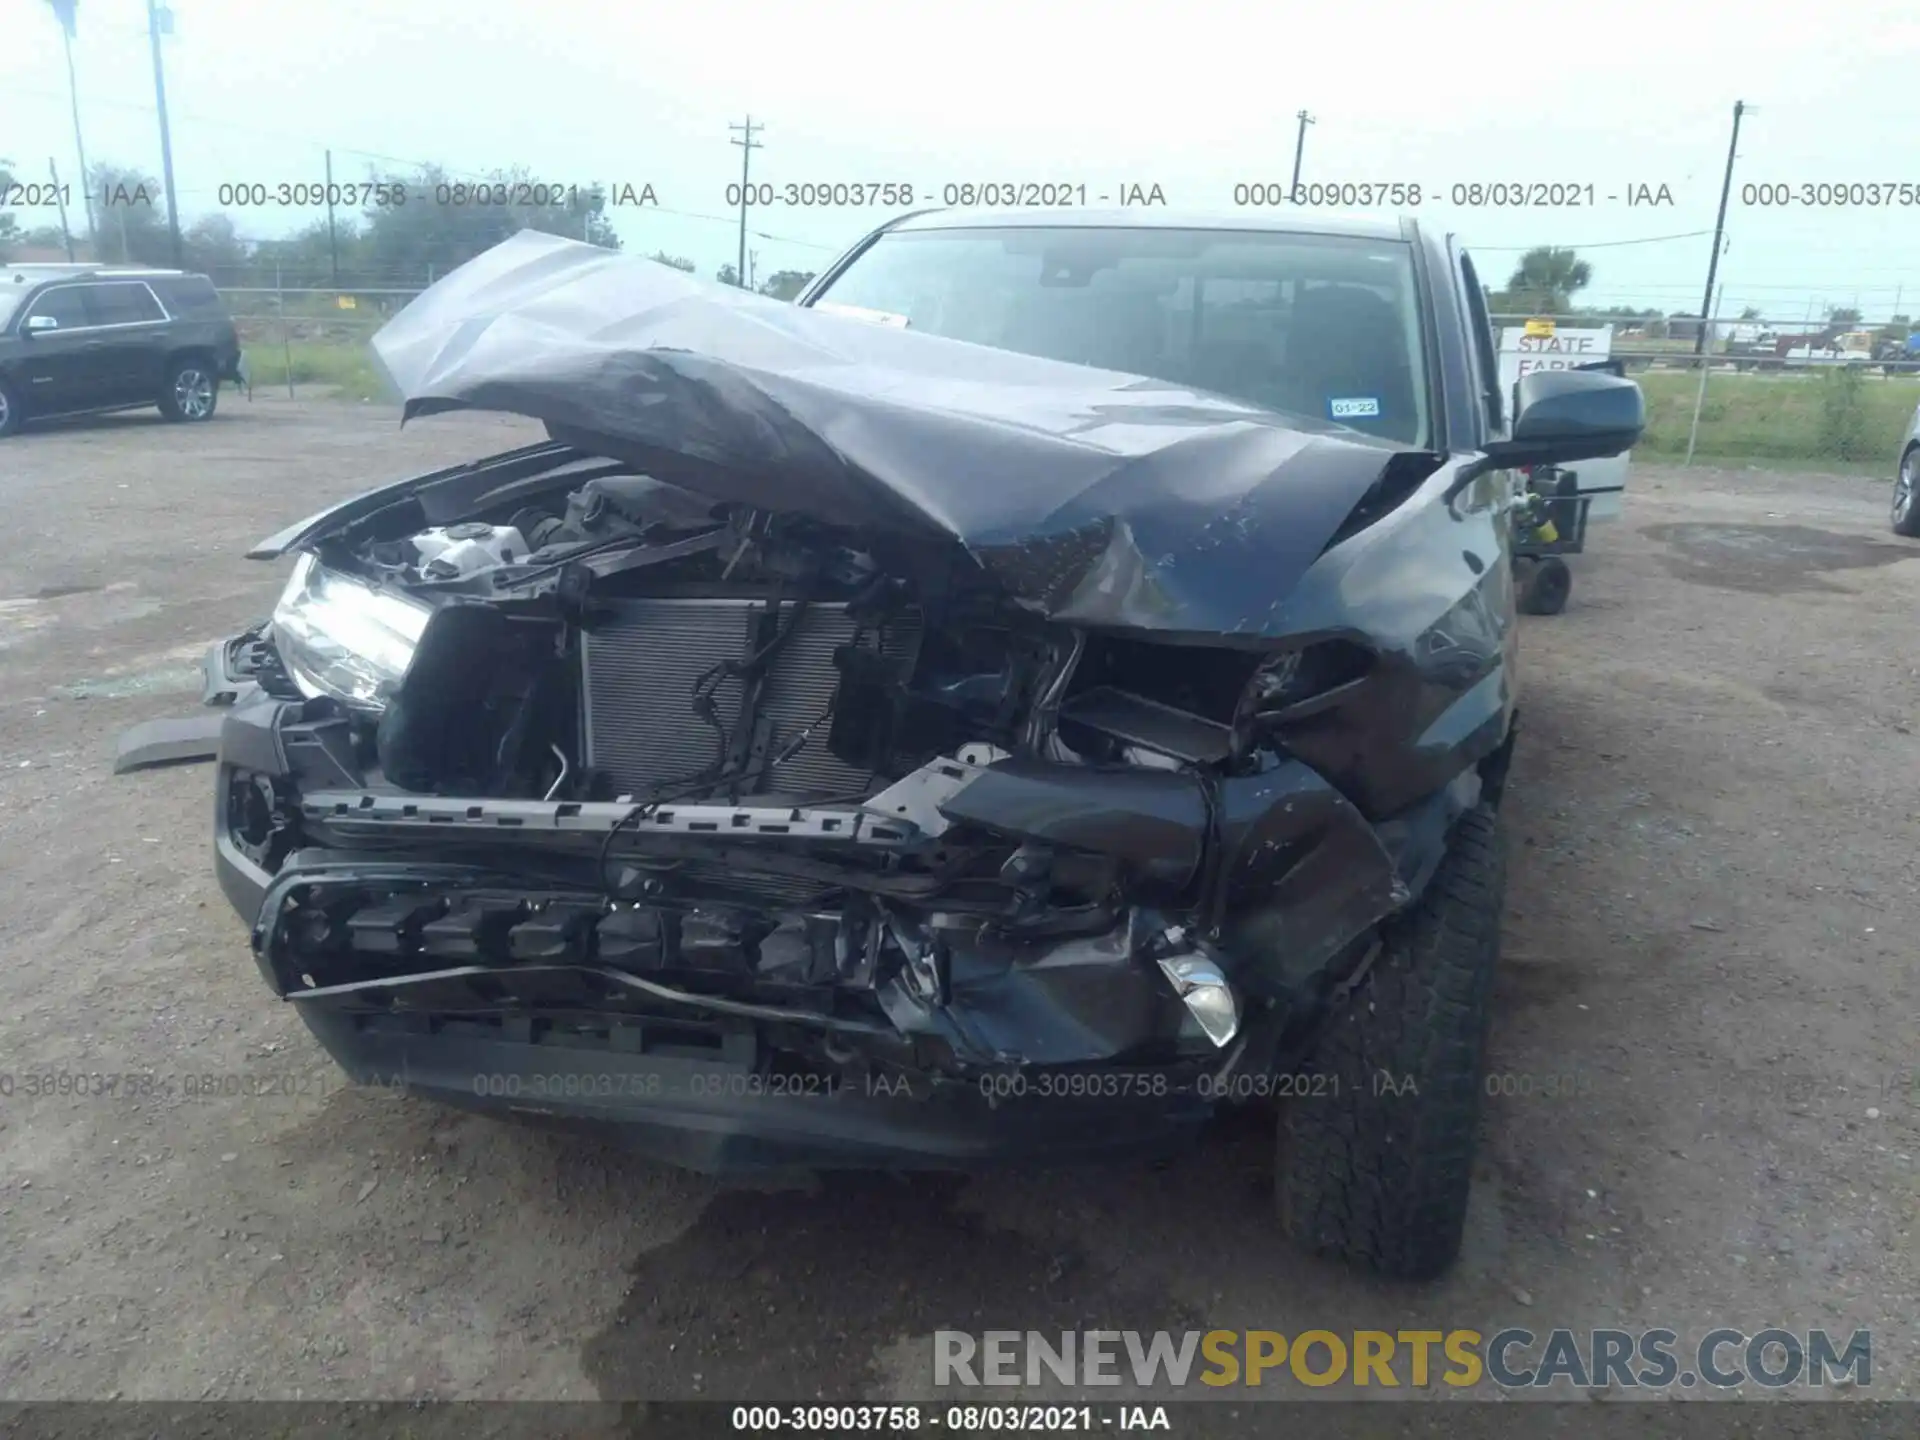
column 1548, row 278
column 375, row 246
column 407, row 245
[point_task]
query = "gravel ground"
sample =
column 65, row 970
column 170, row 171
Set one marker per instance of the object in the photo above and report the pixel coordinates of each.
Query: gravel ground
column 1705, row 1013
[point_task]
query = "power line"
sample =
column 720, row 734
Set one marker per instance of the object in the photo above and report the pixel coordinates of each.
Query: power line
column 1838, row 287
column 1591, row 244
column 748, row 144
column 757, row 234
column 414, row 163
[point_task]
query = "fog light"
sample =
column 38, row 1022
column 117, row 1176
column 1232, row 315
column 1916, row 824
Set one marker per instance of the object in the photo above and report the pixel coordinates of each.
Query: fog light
column 1206, row 993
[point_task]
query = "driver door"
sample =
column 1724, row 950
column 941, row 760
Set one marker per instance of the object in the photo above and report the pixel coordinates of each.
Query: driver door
column 58, row 366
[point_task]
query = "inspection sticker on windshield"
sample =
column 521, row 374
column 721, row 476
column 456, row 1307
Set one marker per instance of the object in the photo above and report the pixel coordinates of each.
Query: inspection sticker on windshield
column 1354, row 408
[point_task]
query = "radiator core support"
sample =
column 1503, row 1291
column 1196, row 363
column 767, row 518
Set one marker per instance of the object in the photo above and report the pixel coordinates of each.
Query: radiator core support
column 643, row 660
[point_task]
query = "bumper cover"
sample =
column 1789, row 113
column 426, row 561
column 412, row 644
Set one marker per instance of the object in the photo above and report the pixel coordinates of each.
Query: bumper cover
column 172, row 741
column 1292, row 871
column 721, row 1116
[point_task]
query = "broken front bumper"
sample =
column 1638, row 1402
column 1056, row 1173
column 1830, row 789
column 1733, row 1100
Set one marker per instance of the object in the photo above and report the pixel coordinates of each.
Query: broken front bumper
column 224, row 679
column 727, row 1113
column 428, row 944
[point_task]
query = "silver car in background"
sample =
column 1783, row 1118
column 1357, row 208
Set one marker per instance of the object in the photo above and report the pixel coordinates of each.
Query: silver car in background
column 1906, row 479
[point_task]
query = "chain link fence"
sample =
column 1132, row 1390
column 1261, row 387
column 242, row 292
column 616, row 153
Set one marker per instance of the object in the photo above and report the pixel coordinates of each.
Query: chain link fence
column 1798, row 391
column 1801, row 391
column 295, row 337
column 1751, row 345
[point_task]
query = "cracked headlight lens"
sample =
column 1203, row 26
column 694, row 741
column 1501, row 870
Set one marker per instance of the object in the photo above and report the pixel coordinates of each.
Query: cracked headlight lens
column 339, row 636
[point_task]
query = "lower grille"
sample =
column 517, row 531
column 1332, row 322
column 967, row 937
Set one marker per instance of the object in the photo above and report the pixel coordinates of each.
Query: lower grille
column 699, row 878
column 641, row 664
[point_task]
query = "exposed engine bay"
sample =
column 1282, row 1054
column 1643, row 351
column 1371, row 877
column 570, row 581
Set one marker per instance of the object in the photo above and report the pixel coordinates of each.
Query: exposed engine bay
column 719, row 652
column 833, row 701
column 691, row 758
column 842, row 744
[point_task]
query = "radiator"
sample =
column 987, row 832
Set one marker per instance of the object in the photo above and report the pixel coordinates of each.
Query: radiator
column 640, row 664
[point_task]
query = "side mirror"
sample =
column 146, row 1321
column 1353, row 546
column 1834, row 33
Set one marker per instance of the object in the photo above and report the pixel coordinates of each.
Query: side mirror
column 1566, row 415
column 38, row 324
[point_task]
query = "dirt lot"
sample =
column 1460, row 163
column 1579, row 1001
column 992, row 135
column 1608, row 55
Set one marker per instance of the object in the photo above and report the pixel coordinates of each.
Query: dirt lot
column 1708, row 998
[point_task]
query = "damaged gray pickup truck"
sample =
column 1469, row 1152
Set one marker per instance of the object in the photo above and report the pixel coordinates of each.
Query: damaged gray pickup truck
column 1055, row 680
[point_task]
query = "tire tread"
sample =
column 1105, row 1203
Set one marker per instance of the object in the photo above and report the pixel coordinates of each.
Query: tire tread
column 1380, row 1179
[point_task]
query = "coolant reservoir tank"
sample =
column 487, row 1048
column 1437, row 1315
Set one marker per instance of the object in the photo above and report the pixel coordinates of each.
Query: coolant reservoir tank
column 451, row 552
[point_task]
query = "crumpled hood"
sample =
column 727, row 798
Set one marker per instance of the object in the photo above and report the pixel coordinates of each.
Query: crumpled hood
column 1094, row 497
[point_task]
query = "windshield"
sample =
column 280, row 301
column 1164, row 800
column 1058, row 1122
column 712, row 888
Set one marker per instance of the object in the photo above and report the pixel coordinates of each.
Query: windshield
column 1326, row 326
column 10, row 298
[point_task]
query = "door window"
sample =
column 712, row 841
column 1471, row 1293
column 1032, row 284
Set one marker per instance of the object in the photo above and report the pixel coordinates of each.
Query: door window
column 65, row 305
column 122, row 304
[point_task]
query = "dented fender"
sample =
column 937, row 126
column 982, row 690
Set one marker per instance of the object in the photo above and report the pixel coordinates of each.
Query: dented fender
column 1280, row 864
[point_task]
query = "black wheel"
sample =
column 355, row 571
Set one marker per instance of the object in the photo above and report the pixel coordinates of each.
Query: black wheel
column 1545, row 592
column 191, row 390
column 1376, row 1171
column 1906, row 514
column 10, row 416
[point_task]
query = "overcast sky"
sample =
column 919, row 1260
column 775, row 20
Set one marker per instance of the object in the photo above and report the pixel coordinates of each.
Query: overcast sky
column 1192, row 96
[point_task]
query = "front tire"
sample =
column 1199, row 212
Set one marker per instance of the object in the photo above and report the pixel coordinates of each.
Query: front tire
column 1377, row 1172
column 10, row 416
column 1906, row 513
column 1547, row 589
column 191, row 391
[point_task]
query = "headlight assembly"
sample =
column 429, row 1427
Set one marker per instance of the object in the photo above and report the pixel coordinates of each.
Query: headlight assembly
column 339, row 636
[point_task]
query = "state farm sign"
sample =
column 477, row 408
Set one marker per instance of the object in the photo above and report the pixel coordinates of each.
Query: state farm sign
column 1602, row 481
column 1522, row 354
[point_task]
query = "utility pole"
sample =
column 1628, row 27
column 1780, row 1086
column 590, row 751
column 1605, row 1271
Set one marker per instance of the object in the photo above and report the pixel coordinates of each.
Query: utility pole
column 1700, row 394
column 747, row 146
column 66, row 235
column 1299, row 148
column 1719, row 228
column 63, row 10
column 753, row 267
column 154, row 21
column 333, row 238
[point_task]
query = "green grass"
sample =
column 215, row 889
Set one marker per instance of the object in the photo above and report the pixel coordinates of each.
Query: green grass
column 1799, row 419
column 349, row 369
